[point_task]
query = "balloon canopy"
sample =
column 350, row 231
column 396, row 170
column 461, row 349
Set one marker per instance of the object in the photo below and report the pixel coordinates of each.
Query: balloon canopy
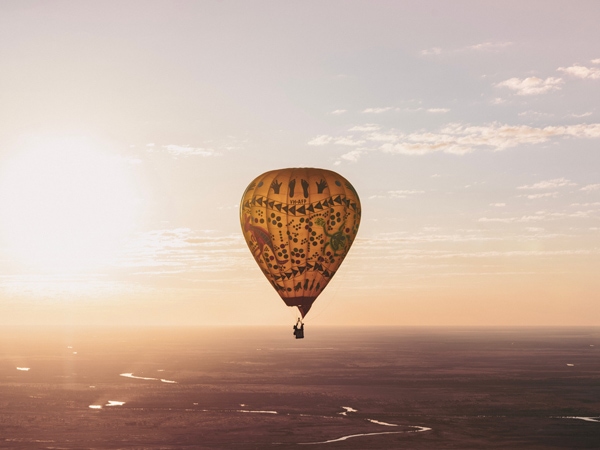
column 299, row 223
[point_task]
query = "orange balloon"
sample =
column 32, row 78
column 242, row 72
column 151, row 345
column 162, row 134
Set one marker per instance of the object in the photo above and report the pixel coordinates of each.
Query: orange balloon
column 299, row 224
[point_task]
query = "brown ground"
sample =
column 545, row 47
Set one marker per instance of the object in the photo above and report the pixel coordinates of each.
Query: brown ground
column 475, row 388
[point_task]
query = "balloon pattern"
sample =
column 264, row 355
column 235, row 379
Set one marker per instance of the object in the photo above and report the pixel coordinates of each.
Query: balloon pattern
column 299, row 224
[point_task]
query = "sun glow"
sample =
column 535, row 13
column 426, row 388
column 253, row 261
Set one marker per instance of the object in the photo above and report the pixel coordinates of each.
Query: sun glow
column 65, row 205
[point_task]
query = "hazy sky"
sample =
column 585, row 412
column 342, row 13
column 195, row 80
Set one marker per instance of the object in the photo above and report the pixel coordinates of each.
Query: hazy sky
column 130, row 129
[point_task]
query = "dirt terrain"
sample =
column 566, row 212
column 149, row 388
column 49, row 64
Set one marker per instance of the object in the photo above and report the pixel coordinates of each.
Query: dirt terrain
column 375, row 388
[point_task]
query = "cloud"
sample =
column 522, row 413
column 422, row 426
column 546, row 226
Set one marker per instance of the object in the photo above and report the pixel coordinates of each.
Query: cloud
column 498, row 205
column 532, row 85
column 365, row 127
column 595, row 61
column 61, row 286
column 404, row 193
column 352, row 156
column 582, row 214
column 543, row 253
column 397, row 194
column 579, row 116
column 339, row 111
column 390, row 246
column 428, row 235
column 489, row 46
column 541, row 195
column 535, row 114
column 348, row 141
column 379, row 110
column 540, row 216
column 236, row 206
column 323, row 139
column 525, row 219
column 586, row 204
column 431, row 51
column 591, row 187
column 186, row 150
column 548, row 184
column 481, row 47
column 182, row 249
column 340, row 140
column 581, row 72
column 459, row 139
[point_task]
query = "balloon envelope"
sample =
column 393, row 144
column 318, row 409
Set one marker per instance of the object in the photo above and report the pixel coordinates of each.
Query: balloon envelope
column 299, row 224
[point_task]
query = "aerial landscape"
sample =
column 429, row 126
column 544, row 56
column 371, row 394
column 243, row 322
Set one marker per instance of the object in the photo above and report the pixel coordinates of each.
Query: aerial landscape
column 252, row 388
column 280, row 224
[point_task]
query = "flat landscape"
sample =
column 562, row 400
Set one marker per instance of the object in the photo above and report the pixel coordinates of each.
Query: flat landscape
column 340, row 388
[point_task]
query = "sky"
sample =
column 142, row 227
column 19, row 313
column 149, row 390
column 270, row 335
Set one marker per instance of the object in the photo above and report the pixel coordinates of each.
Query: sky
column 130, row 130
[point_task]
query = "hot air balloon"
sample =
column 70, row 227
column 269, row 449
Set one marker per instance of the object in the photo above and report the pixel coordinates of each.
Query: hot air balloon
column 299, row 224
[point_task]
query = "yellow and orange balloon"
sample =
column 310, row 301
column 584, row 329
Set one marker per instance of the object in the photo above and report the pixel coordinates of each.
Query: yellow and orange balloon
column 299, row 224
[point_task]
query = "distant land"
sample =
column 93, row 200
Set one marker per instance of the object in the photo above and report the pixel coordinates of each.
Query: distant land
column 339, row 388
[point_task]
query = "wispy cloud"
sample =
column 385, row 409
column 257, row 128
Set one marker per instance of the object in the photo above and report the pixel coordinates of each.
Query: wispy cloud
column 582, row 214
column 186, row 150
column 534, row 229
column 352, row 156
column 549, row 184
column 541, row 195
column 180, row 250
column 322, row 139
column 498, row 205
column 405, row 109
column 412, row 246
column 427, row 235
column 535, row 114
column 365, row 127
column 379, row 110
column 581, row 71
column 586, row 204
column 459, row 139
column 348, row 140
column 339, row 111
column 431, row 51
column 61, row 286
column 591, row 187
column 404, row 193
column 339, row 140
column 541, row 216
column 525, row 219
column 489, row 46
column 532, row 85
column 398, row 194
column 579, row 116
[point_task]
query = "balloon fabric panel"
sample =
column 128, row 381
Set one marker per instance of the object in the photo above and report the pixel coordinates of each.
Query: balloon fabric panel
column 299, row 223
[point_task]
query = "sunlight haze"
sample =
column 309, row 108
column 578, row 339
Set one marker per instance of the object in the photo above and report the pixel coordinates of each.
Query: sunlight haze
column 130, row 130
